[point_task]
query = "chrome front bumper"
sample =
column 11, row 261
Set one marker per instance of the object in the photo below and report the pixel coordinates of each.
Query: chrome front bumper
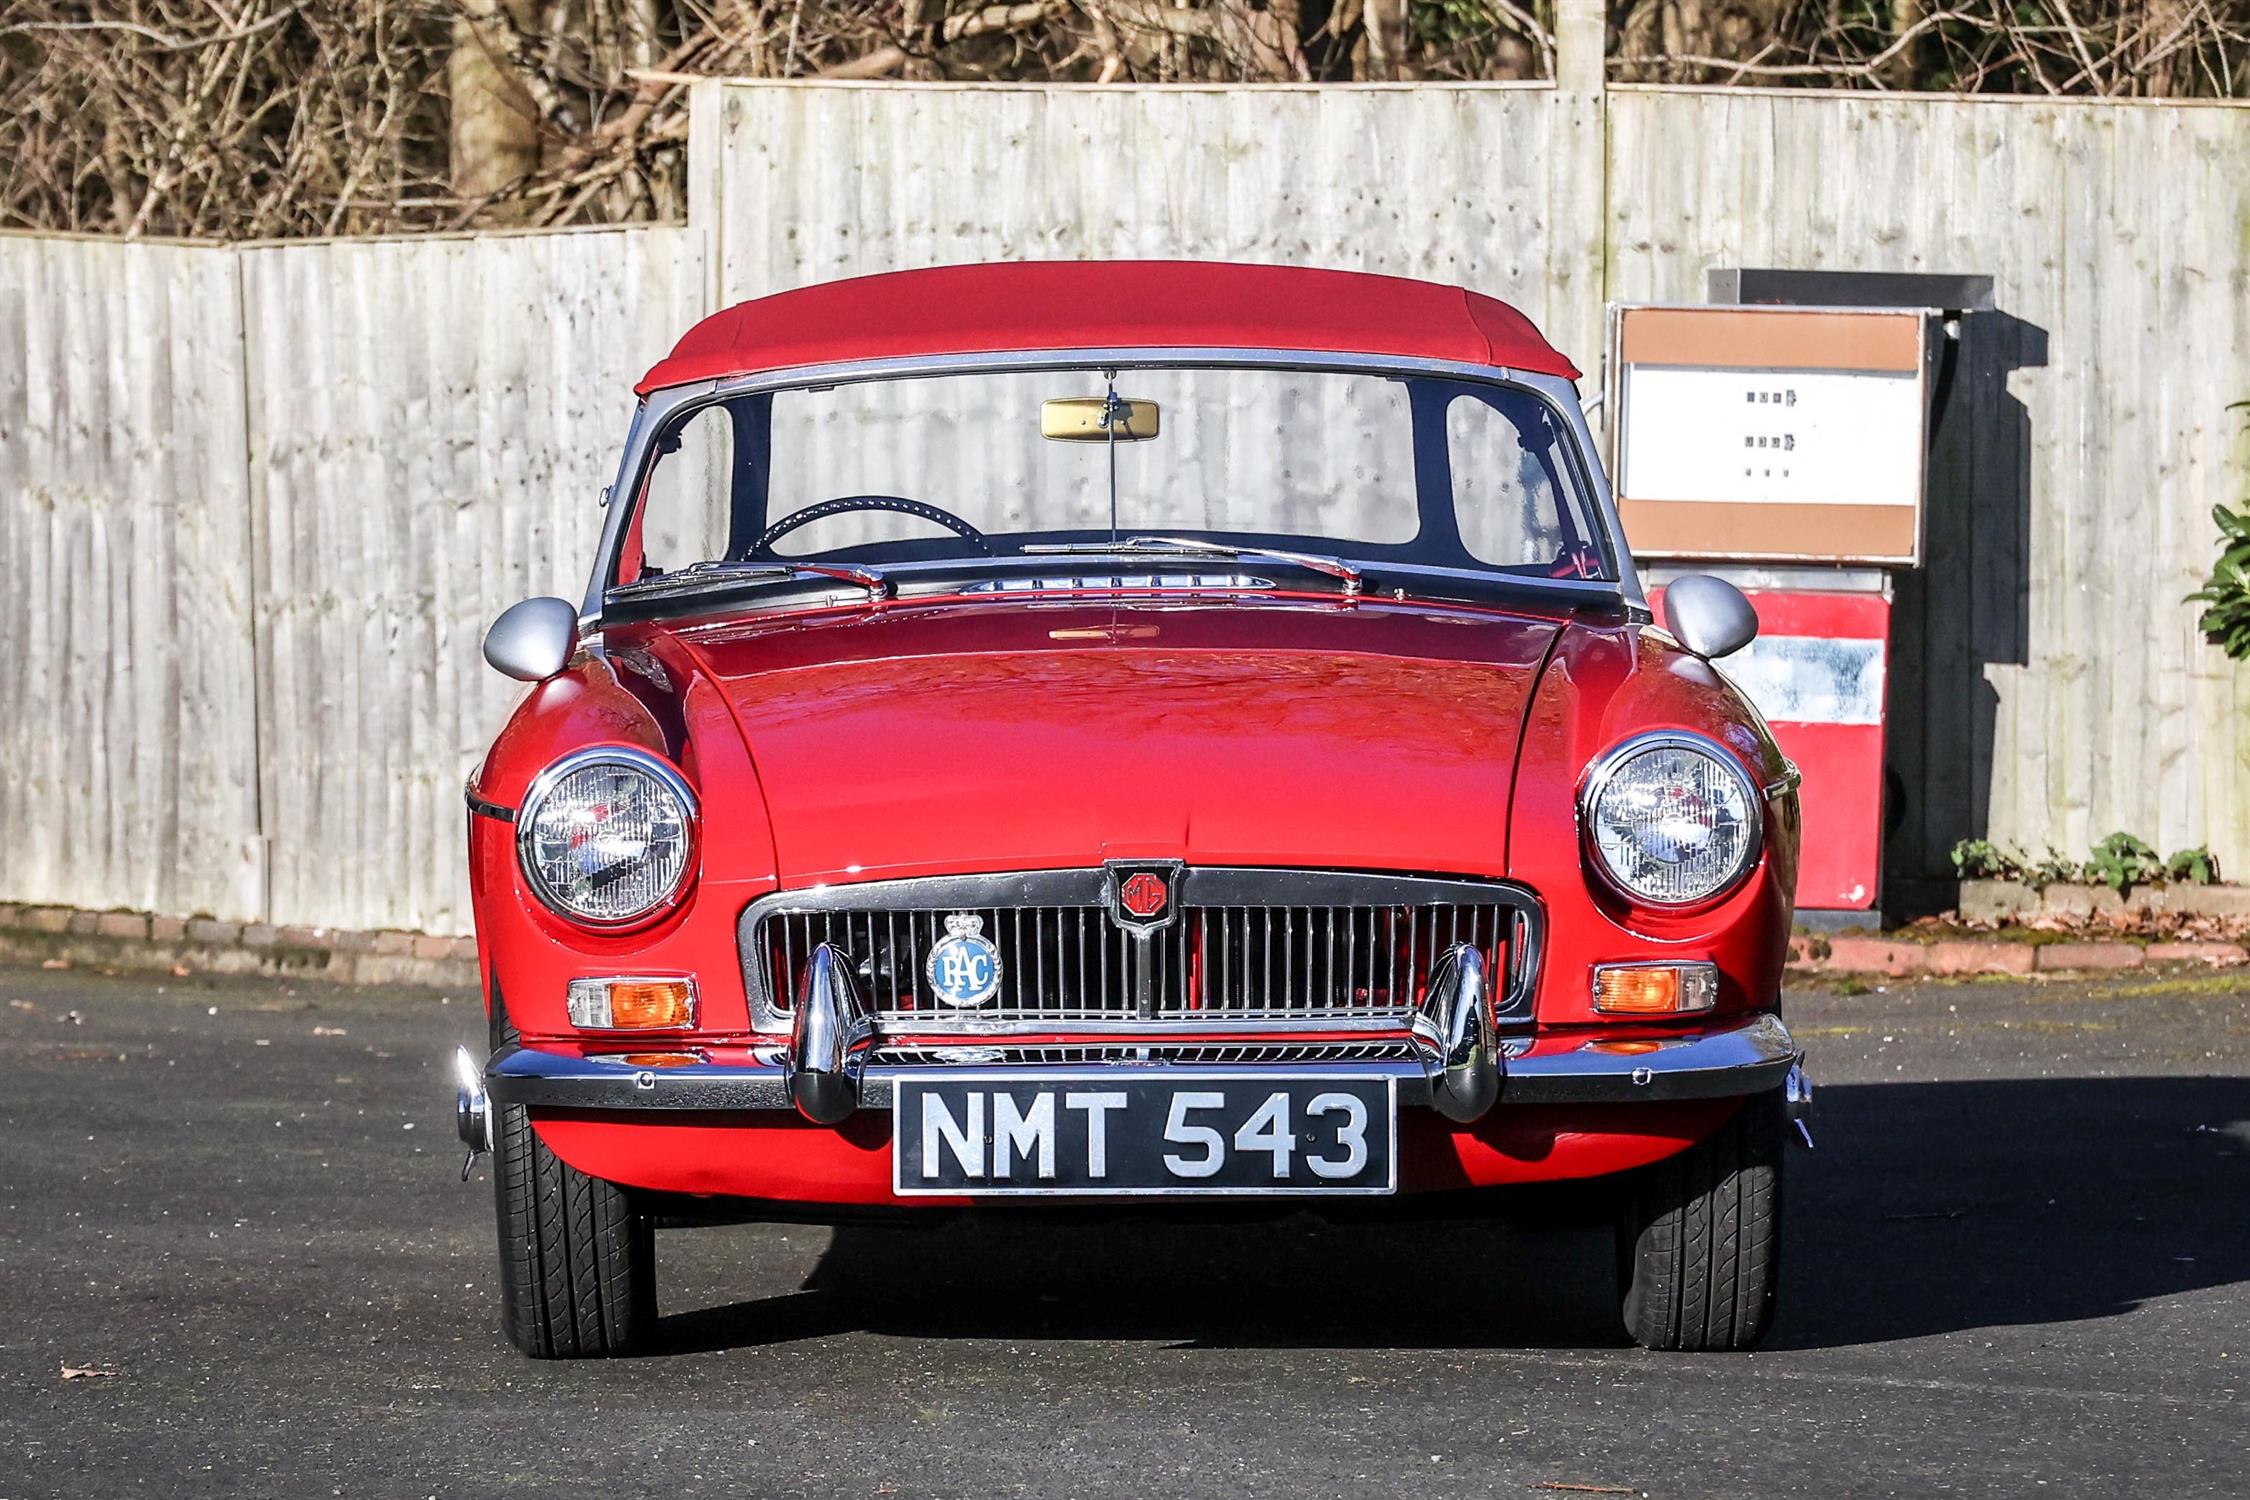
column 1726, row 1060
column 1451, row 1059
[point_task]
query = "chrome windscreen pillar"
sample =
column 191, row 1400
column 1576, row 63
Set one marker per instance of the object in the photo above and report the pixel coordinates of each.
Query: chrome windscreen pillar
column 1452, row 1034
column 829, row 1039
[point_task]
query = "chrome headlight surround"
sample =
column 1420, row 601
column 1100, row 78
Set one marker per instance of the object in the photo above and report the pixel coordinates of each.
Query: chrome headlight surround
column 665, row 782
column 1602, row 775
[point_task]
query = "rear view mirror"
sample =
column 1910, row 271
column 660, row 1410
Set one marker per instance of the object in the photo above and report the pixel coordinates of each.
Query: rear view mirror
column 1709, row 615
column 532, row 641
column 1097, row 419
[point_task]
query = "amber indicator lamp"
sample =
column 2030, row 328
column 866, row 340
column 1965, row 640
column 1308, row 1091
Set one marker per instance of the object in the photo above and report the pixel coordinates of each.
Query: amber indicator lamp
column 1655, row 989
column 632, row 1004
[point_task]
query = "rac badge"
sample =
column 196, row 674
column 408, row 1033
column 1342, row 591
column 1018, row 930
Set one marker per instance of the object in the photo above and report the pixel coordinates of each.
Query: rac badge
column 964, row 966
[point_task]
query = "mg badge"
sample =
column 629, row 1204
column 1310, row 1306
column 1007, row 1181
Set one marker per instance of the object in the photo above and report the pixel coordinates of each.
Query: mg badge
column 964, row 966
column 1141, row 897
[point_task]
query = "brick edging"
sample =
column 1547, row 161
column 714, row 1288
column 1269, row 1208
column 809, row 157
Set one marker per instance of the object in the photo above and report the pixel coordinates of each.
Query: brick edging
column 137, row 942
column 1899, row 958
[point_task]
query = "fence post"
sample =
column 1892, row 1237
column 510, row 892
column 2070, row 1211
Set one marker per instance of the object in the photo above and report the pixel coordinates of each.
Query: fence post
column 1579, row 278
column 1581, row 37
column 707, row 186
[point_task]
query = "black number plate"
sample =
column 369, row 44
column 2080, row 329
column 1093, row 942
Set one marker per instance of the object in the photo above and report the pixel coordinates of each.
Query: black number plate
column 1140, row 1135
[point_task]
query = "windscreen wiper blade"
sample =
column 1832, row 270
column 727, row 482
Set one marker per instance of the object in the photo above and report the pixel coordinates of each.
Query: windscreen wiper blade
column 721, row 572
column 1334, row 567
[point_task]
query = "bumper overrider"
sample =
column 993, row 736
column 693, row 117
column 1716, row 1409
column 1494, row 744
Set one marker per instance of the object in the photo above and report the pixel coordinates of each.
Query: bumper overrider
column 1455, row 1064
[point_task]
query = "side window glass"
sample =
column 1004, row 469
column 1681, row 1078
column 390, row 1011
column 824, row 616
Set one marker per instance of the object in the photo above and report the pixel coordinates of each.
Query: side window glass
column 1501, row 493
column 684, row 519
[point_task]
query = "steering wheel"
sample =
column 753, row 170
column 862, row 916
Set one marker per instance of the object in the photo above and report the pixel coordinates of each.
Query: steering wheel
column 844, row 504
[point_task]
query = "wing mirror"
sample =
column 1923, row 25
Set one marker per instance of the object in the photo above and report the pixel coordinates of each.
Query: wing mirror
column 1709, row 616
column 532, row 641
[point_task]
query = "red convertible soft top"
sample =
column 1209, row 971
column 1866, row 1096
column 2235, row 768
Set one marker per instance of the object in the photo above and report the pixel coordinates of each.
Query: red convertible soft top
column 1107, row 305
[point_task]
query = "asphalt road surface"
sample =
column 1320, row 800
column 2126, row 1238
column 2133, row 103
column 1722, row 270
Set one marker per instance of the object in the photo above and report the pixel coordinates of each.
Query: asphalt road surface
column 2017, row 1263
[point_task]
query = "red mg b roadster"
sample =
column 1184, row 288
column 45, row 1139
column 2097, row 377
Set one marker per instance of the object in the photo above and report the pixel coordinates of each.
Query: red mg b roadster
column 1076, row 732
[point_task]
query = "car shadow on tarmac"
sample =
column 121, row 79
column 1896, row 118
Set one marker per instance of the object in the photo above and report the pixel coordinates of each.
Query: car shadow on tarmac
column 1928, row 1208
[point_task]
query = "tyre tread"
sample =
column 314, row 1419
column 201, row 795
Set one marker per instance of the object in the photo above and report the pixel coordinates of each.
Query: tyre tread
column 577, row 1263
column 1699, row 1239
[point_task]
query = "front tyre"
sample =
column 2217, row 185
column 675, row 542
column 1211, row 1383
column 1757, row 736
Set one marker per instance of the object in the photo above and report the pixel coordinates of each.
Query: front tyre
column 1699, row 1237
column 577, row 1264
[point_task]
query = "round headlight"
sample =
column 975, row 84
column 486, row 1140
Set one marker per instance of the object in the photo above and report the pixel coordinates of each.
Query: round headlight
column 1672, row 818
column 607, row 836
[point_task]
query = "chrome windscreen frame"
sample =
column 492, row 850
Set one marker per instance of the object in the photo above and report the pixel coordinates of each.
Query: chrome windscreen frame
column 1200, row 886
column 659, row 409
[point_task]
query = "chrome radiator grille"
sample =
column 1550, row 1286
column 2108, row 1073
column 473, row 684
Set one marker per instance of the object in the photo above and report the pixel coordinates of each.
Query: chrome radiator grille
column 1264, row 947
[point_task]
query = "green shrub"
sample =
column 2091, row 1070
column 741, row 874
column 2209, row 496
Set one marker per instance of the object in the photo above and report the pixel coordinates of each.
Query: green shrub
column 2195, row 866
column 2052, row 868
column 1981, row 859
column 2225, row 595
column 2122, row 861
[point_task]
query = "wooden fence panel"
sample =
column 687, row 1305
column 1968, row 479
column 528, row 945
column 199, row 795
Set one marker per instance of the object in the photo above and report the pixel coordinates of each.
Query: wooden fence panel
column 128, row 752
column 1494, row 187
column 433, row 421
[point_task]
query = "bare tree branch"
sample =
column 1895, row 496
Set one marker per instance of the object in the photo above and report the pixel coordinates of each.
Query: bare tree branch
column 221, row 118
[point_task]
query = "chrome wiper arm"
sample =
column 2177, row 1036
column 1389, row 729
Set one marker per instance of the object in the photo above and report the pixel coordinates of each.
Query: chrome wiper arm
column 875, row 583
column 701, row 575
column 725, row 571
column 1334, row 567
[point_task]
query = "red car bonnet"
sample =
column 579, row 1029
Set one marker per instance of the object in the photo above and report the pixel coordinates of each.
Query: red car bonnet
column 1045, row 735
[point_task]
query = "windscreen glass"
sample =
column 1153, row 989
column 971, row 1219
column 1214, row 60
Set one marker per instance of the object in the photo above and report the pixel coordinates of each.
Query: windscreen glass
column 1347, row 463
